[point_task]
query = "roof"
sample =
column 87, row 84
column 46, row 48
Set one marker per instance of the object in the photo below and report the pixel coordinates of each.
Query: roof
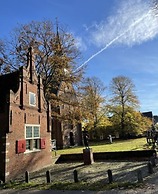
column 9, row 82
column 148, row 114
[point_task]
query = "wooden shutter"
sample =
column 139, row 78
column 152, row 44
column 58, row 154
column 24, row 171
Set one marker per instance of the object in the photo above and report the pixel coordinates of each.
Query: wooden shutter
column 42, row 143
column 20, row 146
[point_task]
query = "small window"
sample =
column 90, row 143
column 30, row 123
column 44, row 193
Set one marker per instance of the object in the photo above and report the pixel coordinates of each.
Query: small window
column 32, row 134
column 32, row 99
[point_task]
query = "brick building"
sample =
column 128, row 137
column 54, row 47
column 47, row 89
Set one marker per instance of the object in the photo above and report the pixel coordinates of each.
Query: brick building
column 66, row 132
column 25, row 130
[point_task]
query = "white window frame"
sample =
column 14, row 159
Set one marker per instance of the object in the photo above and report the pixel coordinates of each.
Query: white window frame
column 32, row 138
column 32, row 95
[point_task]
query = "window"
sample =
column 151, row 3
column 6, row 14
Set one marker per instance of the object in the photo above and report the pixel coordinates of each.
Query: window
column 32, row 99
column 32, row 137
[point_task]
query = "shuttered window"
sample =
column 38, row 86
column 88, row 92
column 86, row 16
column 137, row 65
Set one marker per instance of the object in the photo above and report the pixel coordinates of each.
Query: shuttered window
column 32, row 134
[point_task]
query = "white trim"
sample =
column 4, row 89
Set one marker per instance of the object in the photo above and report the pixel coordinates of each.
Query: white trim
column 31, row 151
column 32, row 138
column 32, row 125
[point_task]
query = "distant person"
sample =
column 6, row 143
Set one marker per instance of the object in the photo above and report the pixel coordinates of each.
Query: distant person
column 85, row 139
column 71, row 139
column 110, row 138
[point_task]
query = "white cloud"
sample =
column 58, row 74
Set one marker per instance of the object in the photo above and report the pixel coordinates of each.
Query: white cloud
column 133, row 22
column 80, row 44
column 88, row 28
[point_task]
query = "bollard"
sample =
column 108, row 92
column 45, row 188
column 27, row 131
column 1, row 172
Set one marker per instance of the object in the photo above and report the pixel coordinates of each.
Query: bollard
column 110, row 177
column 139, row 176
column 152, row 160
column 75, row 176
column 48, row 176
column 150, row 168
column 27, row 178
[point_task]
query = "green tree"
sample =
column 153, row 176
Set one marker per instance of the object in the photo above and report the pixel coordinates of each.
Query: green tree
column 123, row 98
column 135, row 123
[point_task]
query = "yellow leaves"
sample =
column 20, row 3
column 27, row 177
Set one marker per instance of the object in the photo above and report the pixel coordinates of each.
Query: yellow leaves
column 104, row 121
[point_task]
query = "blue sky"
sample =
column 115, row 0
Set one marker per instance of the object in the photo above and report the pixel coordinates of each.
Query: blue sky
column 125, row 30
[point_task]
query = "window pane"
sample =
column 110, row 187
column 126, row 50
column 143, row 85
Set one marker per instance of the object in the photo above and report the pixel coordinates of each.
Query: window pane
column 36, row 131
column 28, row 144
column 32, row 99
column 28, row 132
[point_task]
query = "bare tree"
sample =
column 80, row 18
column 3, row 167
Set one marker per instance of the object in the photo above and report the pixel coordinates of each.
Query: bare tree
column 123, row 96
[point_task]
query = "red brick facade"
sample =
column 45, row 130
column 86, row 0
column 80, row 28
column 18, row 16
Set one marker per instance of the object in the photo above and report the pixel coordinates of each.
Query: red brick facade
column 25, row 131
column 66, row 132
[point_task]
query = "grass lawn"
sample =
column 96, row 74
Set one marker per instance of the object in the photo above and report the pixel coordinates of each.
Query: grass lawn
column 104, row 146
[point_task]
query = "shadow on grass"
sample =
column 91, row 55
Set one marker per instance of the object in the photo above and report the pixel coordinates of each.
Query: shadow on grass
column 54, row 172
column 82, row 185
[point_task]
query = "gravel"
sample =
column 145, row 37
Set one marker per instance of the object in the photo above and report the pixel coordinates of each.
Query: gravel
column 122, row 171
column 97, row 172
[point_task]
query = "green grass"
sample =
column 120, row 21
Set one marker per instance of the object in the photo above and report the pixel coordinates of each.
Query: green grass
column 104, row 146
column 82, row 185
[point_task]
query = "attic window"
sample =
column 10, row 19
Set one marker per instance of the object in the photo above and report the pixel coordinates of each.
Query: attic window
column 32, row 99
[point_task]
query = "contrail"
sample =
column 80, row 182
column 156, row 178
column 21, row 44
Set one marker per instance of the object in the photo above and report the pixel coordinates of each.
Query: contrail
column 118, row 37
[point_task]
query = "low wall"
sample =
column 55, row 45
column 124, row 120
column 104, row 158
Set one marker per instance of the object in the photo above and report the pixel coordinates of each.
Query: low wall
column 139, row 155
